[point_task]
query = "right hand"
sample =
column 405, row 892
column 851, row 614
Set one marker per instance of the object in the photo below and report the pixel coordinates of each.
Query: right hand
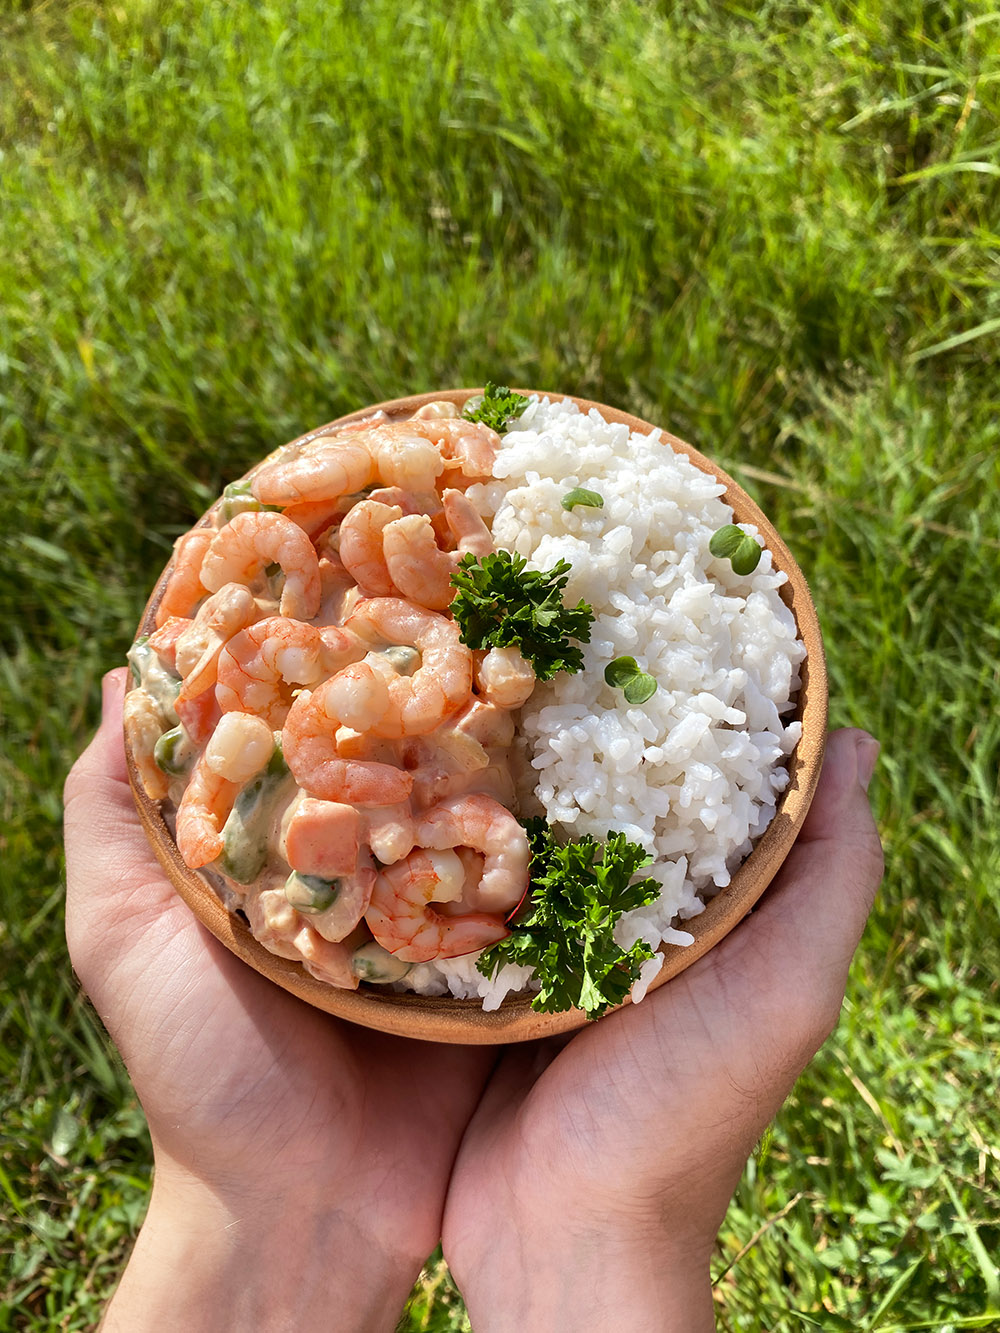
column 597, row 1170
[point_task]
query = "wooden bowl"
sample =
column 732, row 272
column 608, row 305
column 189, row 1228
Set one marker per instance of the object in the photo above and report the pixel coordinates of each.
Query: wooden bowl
column 434, row 1018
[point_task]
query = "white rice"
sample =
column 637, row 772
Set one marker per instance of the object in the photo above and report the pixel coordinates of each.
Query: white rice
column 694, row 774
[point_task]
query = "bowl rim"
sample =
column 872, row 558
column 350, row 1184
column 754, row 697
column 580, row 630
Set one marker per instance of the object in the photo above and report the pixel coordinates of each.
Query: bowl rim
column 446, row 1018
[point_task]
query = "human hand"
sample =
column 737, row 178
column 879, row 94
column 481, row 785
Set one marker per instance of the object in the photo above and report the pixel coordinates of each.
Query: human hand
column 301, row 1162
column 594, row 1176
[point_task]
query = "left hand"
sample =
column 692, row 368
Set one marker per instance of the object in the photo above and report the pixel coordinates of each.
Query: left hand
column 293, row 1152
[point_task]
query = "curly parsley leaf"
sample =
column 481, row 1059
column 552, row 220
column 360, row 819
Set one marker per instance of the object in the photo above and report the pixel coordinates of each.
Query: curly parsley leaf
column 565, row 929
column 497, row 408
column 501, row 604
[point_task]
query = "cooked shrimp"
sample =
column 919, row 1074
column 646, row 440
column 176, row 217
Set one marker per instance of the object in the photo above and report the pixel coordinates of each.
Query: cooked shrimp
column 196, row 654
column 325, row 469
column 351, row 698
column 282, row 931
column 415, row 563
column 184, row 588
column 390, row 832
column 467, row 447
column 481, row 823
column 203, row 810
column 441, row 407
column 404, row 454
column 258, row 667
column 361, row 546
column 438, row 687
column 257, row 538
column 503, row 677
column 239, row 747
column 143, row 727
column 410, row 502
column 403, row 920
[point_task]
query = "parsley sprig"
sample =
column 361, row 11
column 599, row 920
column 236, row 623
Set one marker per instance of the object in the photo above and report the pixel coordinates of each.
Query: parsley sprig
column 501, row 604
column 565, row 929
column 497, row 408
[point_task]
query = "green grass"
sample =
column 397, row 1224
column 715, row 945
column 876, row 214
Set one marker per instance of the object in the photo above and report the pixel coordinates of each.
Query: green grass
column 773, row 228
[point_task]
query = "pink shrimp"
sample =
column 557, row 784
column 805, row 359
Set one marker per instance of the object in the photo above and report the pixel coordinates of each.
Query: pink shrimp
column 483, row 824
column 203, row 810
column 198, row 646
column 439, row 686
column 184, row 589
column 350, row 698
column 258, row 667
column 361, row 546
column 402, row 918
column 257, row 538
column 324, row 469
column 468, row 448
column 503, row 677
column 415, row 563
column 143, row 724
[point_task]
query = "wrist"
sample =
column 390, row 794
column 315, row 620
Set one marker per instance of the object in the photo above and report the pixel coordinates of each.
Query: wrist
column 209, row 1260
column 566, row 1277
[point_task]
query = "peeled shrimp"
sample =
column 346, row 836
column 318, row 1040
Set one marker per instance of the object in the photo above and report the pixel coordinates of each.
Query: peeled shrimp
column 143, row 727
column 256, row 538
column 403, row 920
column 467, row 447
column 439, row 686
column 184, row 588
column 200, row 644
column 481, row 823
column 260, row 664
column 350, row 698
column 503, row 677
column 361, row 546
column 325, row 469
column 203, row 810
column 415, row 563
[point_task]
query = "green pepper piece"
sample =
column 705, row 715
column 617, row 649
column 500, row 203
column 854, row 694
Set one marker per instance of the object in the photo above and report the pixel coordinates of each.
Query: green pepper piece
column 173, row 752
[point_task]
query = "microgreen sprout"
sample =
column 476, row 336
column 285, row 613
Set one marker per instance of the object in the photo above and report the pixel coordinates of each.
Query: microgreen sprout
column 579, row 496
column 625, row 674
column 738, row 547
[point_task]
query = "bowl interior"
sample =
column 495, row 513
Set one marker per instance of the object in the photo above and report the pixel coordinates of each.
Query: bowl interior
column 464, row 1021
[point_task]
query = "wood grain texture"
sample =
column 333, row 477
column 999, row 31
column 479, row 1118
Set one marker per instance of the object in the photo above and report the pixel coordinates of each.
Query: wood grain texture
column 464, row 1021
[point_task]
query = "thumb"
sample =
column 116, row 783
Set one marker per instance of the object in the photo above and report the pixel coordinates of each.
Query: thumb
column 804, row 934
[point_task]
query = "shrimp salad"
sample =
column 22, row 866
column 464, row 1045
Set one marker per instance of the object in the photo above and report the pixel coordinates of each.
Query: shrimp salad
column 349, row 775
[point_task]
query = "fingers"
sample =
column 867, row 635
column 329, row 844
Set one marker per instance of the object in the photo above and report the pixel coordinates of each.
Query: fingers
column 111, row 875
column 800, row 942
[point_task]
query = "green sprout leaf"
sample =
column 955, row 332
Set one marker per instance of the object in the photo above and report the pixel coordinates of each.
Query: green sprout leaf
column 497, row 408
column 733, row 544
column 625, row 674
column 579, row 496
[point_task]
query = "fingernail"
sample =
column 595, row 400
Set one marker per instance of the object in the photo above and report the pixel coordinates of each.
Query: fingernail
column 868, row 752
column 108, row 691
